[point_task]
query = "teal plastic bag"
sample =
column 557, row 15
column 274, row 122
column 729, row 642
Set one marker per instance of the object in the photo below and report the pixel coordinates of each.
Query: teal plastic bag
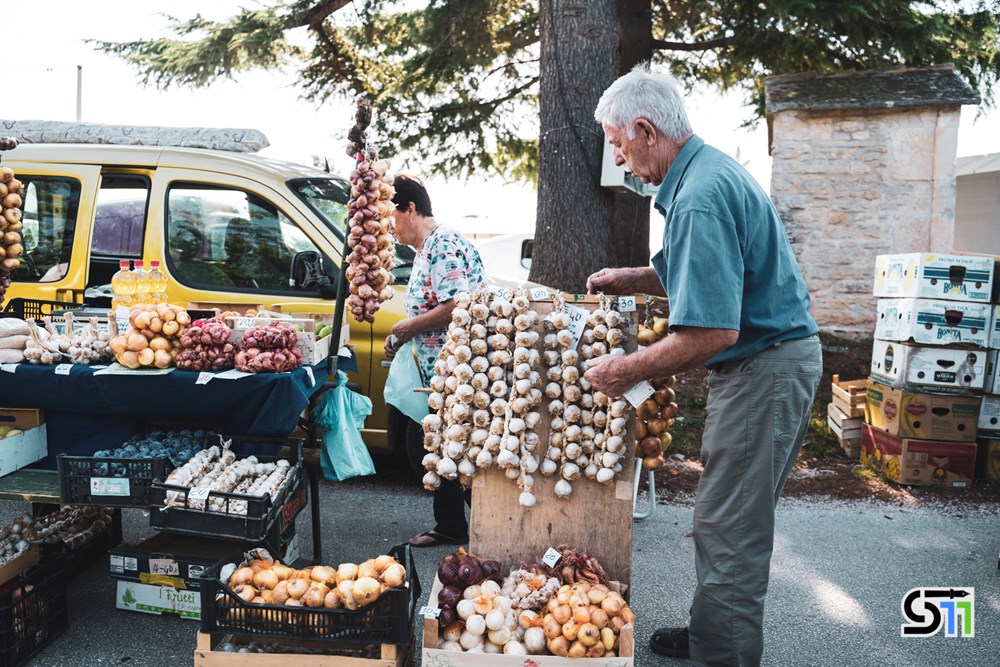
column 404, row 377
column 341, row 413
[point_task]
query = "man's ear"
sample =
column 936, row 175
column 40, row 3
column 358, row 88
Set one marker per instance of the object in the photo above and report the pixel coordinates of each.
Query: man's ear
column 645, row 131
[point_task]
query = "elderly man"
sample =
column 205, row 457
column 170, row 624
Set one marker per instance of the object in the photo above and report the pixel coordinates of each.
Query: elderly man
column 738, row 305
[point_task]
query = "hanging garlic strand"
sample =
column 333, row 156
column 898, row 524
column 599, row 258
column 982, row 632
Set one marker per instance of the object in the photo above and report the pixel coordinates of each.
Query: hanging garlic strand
column 525, row 395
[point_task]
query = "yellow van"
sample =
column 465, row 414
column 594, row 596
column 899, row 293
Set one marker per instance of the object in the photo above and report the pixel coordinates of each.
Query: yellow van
column 227, row 228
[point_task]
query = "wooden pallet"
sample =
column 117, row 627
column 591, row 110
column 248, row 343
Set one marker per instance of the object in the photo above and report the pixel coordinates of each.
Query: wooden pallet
column 390, row 655
column 849, row 396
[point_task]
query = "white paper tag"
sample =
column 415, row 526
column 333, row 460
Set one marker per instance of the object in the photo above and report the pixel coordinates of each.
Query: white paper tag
column 577, row 322
column 344, row 352
column 204, row 378
column 121, row 319
column 198, row 493
column 639, row 393
column 626, row 304
column 244, row 322
column 502, row 293
column 430, row 612
column 167, row 566
column 9, row 368
column 109, row 486
column 312, row 378
column 539, row 293
column 551, row 557
column 63, row 369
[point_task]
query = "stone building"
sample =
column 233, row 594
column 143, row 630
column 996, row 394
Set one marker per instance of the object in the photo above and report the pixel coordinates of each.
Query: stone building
column 863, row 163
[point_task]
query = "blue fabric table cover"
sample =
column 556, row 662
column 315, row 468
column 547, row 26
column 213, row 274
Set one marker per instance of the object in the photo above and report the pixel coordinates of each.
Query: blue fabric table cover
column 84, row 412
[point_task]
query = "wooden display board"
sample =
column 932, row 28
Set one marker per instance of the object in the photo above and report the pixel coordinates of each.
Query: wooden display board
column 596, row 518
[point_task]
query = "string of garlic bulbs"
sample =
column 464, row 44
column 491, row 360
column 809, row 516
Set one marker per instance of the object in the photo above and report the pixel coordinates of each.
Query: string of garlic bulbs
column 447, row 430
column 525, row 395
column 604, row 325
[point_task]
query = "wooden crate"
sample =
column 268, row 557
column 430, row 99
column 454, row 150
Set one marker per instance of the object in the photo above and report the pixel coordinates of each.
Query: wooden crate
column 431, row 655
column 847, row 429
column 849, row 396
column 390, row 656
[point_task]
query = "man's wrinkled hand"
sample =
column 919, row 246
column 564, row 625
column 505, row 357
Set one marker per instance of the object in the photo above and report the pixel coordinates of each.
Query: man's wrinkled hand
column 611, row 281
column 605, row 374
column 390, row 351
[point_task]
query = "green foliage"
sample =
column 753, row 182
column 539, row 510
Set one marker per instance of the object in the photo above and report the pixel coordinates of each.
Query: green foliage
column 456, row 81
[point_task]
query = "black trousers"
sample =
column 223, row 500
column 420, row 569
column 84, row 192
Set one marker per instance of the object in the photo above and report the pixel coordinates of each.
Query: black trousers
column 450, row 500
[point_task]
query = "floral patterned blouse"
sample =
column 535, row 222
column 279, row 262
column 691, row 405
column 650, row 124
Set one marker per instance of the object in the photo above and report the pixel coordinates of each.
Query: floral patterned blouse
column 446, row 265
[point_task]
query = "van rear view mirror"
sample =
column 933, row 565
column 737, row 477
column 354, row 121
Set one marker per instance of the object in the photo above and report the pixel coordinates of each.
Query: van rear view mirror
column 527, row 247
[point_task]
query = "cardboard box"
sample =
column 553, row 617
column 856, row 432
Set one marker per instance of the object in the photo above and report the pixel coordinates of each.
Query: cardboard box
column 158, row 600
column 313, row 351
column 921, row 274
column 921, row 462
column 989, row 413
column 912, row 414
column 995, row 326
column 933, row 322
column 902, row 365
column 165, row 559
column 31, row 445
column 991, row 374
column 223, row 307
column 320, row 315
column 20, row 564
column 988, row 458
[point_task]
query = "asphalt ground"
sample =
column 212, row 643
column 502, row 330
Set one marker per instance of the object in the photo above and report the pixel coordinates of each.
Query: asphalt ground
column 839, row 573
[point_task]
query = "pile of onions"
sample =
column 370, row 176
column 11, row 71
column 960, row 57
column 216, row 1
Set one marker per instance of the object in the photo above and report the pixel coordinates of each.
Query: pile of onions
column 269, row 348
column 155, row 336
column 11, row 249
column 457, row 572
column 653, row 417
column 349, row 586
column 205, row 346
column 582, row 621
column 369, row 210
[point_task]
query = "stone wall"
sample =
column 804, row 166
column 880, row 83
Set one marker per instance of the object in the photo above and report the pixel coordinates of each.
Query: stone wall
column 853, row 184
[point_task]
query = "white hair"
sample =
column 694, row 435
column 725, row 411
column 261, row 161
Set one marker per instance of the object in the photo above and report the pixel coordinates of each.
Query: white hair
column 643, row 93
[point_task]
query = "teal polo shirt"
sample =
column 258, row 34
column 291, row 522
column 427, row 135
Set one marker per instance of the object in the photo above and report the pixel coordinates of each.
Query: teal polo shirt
column 726, row 262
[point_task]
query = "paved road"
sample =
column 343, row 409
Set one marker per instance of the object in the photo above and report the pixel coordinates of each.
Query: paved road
column 839, row 573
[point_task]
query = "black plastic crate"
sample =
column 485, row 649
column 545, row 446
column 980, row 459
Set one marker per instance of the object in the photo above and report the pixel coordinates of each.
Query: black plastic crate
column 33, row 610
column 36, row 308
column 95, row 549
column 109, row 482
column 388, row 620
column 261, row 514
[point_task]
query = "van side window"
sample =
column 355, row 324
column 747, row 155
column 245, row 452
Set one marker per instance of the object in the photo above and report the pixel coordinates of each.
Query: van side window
column 219, row 238
column 119, row 217
column 50, row 207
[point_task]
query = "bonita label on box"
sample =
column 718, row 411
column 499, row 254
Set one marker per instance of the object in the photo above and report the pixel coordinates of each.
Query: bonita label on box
column 933, row 276
column 933, row 322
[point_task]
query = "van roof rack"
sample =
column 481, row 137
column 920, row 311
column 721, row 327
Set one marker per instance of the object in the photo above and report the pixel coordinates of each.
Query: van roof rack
column 240, row 140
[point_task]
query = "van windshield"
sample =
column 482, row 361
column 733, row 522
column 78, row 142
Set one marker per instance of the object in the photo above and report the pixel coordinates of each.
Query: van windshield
column 327, row 197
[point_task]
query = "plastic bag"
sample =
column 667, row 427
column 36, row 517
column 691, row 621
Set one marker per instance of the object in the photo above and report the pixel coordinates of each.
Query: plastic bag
column 341, row 413
column 404, row 377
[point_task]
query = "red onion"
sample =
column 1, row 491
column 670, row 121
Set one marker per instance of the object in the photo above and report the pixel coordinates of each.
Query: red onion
column 469, row 571
column 449, row 596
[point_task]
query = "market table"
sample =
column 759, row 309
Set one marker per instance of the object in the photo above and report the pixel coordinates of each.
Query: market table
column 86, row 411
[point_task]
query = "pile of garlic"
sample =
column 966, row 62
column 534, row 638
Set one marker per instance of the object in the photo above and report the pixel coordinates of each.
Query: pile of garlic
column 487, row 391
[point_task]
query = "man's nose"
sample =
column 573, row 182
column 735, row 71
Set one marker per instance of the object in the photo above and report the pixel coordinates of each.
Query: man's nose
column 619, row 158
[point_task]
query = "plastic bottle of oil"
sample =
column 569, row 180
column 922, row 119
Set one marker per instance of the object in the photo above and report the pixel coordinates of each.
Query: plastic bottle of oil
column 141, row 278
column 123, row 286
column 157, row 283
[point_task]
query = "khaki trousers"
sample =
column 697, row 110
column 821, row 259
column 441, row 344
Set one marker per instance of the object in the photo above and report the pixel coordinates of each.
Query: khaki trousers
column 758, row 410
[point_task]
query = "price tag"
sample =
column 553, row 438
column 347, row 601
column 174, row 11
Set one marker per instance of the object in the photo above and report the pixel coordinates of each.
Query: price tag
column 312, row 378
column 639, row 393
column 551, row 557
column 9, row 368
column 64, row 369
column 109, row 486
column 167, row 566
column 244, row 322
column 539, row 293
column 502, row 293
column 430, row 612
column 198, row 493
column 626, row 304
column 577, row 322
column 204, row 378
column 121, row 319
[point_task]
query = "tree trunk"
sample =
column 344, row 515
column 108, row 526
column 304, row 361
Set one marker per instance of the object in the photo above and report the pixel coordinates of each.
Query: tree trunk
column 573, row 237
column 630, row 224
column 582, row 227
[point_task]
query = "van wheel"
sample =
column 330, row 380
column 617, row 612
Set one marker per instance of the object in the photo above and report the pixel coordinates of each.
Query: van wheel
column 406, row 437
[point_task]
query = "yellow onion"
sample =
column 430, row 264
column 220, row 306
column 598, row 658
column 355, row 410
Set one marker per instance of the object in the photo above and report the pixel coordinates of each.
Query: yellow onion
column 368, row 570
column 383, row 562
column 297, row 588
column 347, row 571
column 240, row 576
column 558, row 646
column 570, row 629
column 333, row 599
column 608, row 638
column 315, row 595
column 366, row 589
column 394, row 575
column 280, row 593
column 577, row 650
column 588, row 634
column 323, row 574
